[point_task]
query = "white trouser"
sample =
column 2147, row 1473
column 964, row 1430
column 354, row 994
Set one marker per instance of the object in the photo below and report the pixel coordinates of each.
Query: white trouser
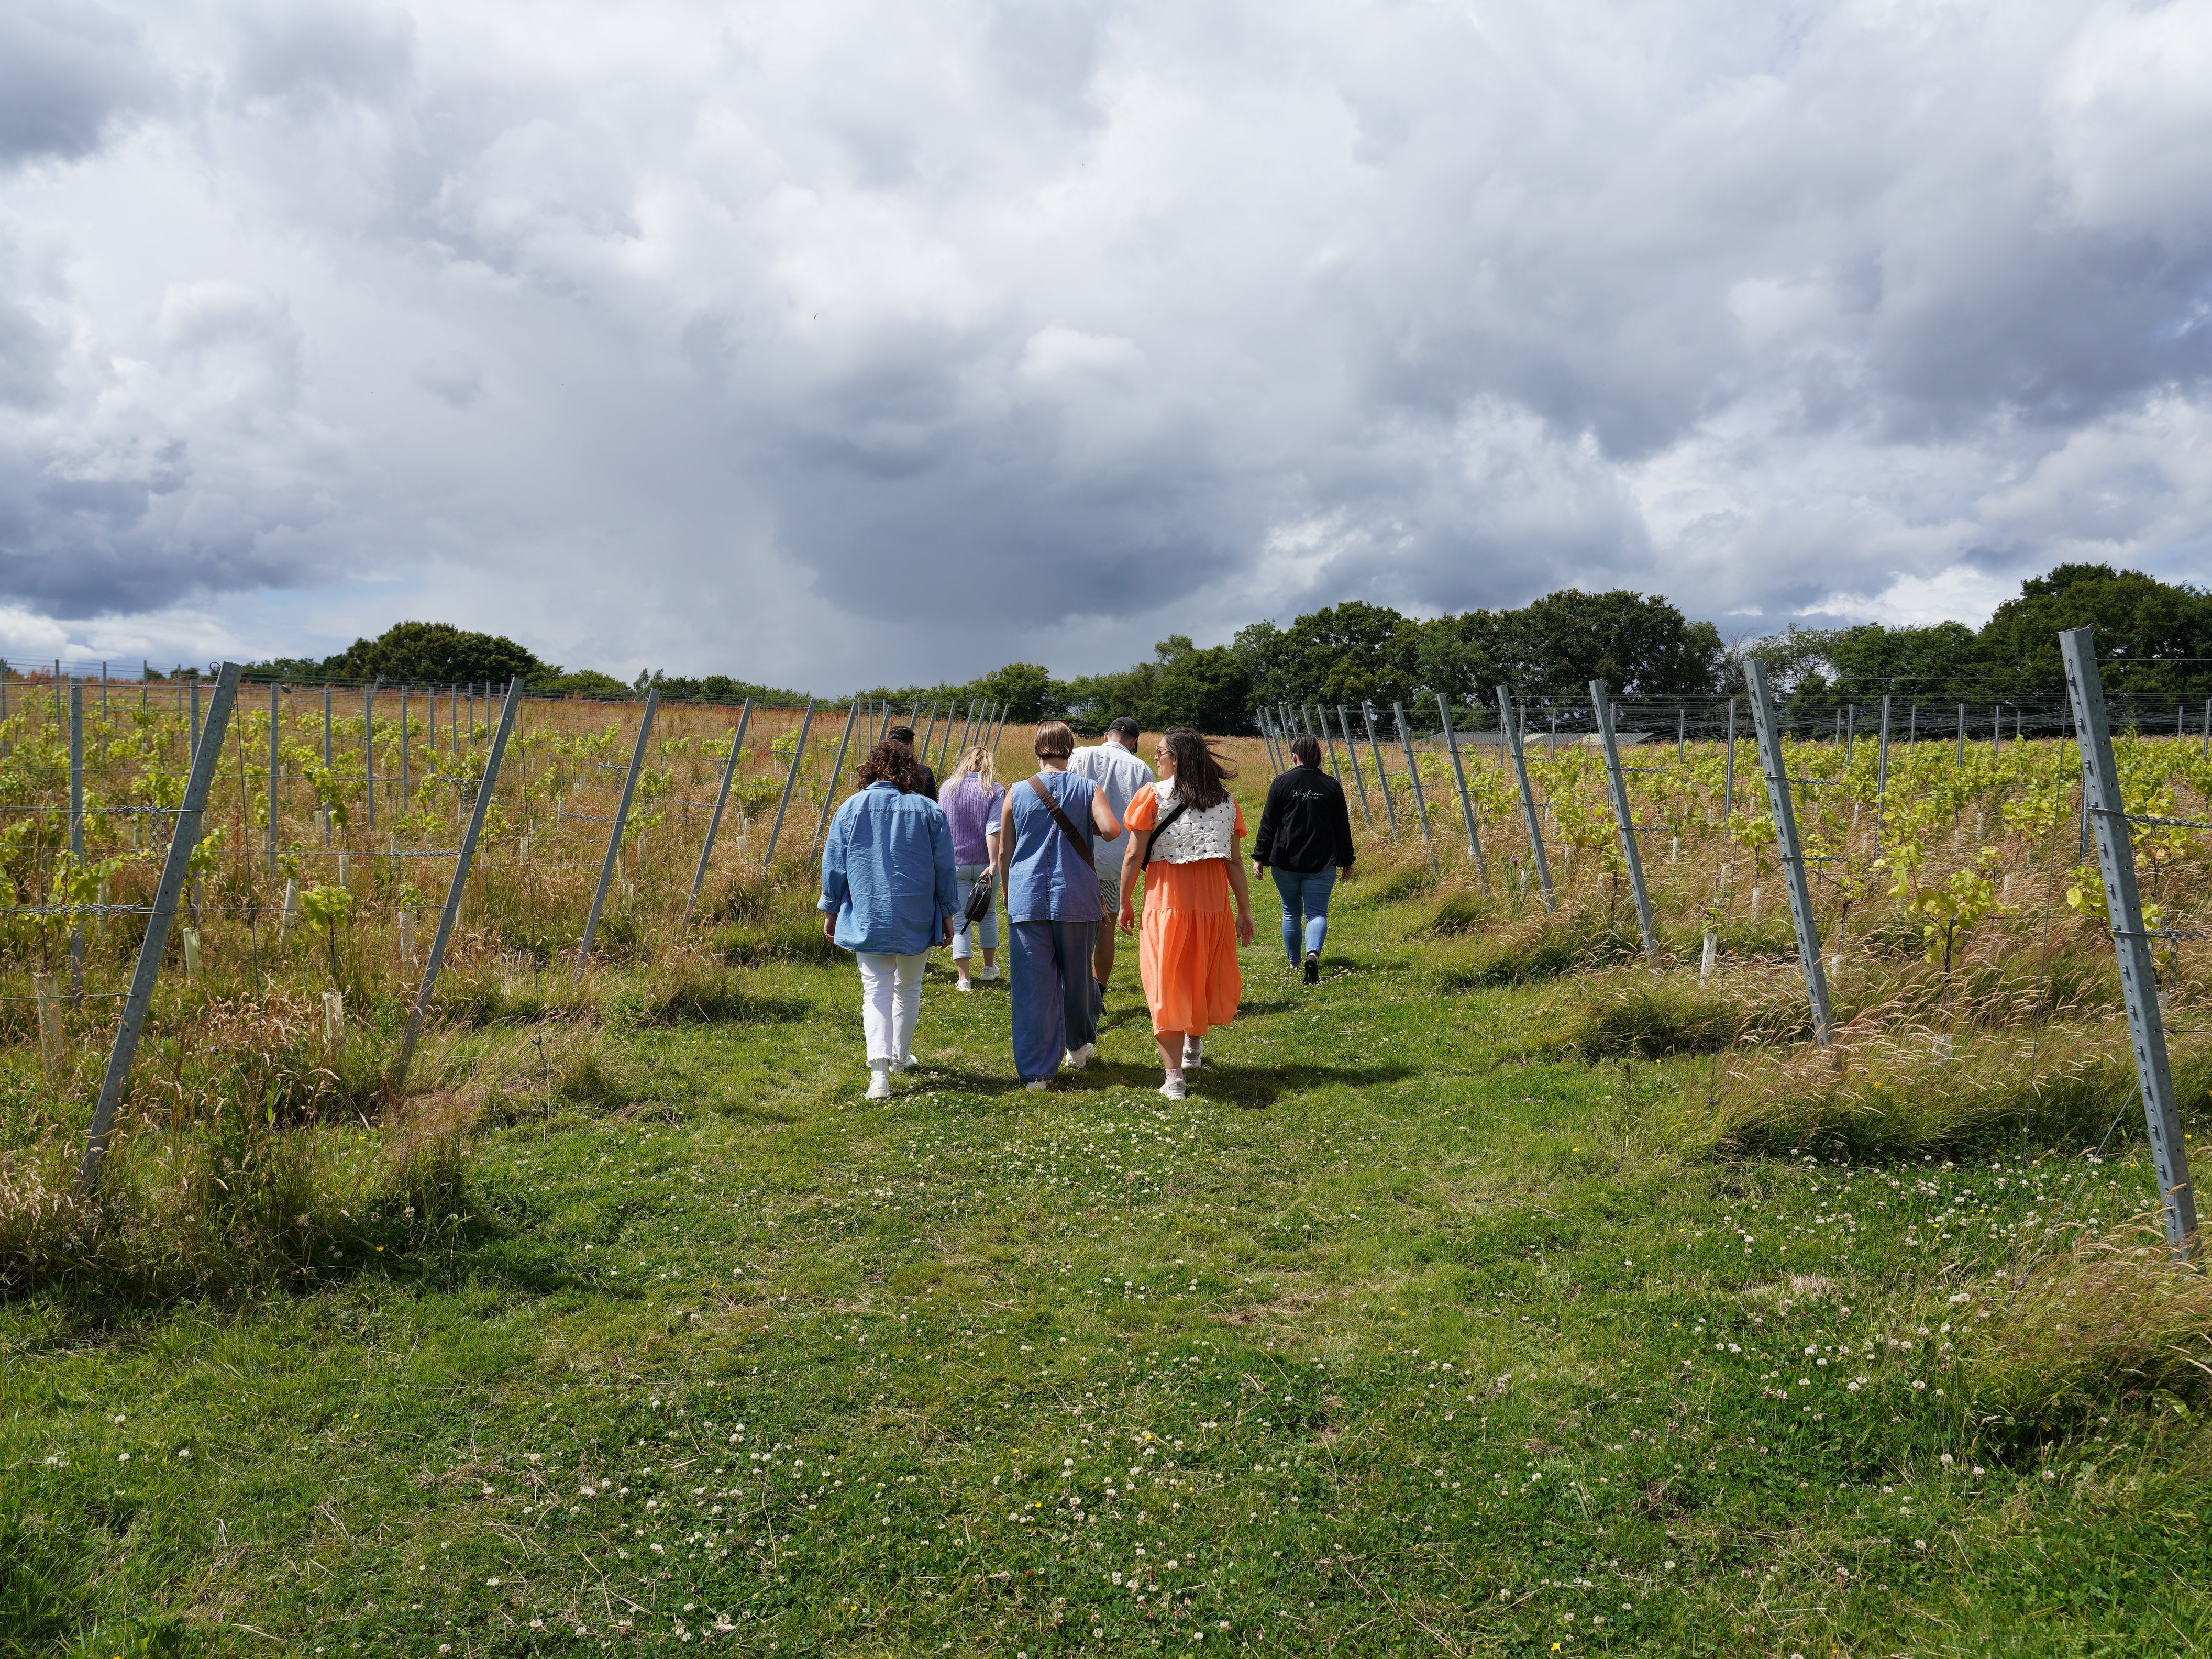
column 890, row 998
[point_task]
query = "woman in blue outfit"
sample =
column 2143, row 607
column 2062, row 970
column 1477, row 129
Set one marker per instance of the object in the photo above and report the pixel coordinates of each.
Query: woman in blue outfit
column 1047, row 870
column 888, row 894
column 1305, row 834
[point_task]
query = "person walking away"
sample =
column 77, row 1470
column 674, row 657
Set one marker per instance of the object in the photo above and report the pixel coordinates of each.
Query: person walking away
column 888, row 894
column 1114, row 766
column 972, row 799
column 1047, row 831
column 905, row 734
column 1187, row 838
column 1305, row 837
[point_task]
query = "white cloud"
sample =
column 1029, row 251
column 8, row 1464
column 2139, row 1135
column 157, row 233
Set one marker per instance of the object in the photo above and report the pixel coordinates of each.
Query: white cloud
column 837, row 342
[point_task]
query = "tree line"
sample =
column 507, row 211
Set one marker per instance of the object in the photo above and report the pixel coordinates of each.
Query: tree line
column 2156, row 638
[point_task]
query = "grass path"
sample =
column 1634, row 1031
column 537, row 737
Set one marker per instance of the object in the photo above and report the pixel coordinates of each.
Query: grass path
column 1397, row 1337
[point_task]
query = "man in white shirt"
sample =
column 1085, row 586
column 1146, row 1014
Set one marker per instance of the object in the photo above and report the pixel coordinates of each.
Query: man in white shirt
column 1112, row 766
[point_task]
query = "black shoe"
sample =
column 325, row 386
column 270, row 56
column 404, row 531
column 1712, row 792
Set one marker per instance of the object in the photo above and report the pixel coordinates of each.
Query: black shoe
column 1313, row 967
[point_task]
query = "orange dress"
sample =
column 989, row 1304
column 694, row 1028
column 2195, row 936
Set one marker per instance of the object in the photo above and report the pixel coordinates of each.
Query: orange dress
column 1187, row 942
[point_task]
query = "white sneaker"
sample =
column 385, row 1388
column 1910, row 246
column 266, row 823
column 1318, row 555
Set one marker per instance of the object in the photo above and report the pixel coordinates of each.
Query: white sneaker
column 986, row 973
column 1079, row 1058
column 965, row 985
column 879, row 1082
column 1173, row 1088
column 910, row 1064
column 1194, row 1053
column 1036, row 1087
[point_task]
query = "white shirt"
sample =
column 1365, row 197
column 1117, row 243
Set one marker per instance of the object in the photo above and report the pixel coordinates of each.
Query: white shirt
column 1119, row 775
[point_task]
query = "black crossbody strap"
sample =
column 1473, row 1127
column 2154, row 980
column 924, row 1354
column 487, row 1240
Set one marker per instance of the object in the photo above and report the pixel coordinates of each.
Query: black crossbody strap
column 1081, row 843
column 1159, row 829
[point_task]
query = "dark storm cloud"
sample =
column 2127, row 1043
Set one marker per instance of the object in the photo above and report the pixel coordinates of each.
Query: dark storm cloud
column 67, row 70
column 850, row 343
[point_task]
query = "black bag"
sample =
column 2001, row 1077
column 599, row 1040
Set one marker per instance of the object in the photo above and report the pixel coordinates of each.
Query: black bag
column 979, row 898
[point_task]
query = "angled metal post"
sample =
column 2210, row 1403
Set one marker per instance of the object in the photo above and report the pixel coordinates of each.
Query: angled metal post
column 76, row 828
column 1421, row 800
column 1962, row 734
column 1382, row 777
column 1352, row 748
column 139, row 1002
column 1267, row 737
column 790, row 780
column 405, row 801
column 1851, row 734
column 1881, row 776
column 1682, row 733
column 1728, row 784
column 276, row 771
column 721, row 800
column 1466, row 806
column 450, row 917
column 1519, row 752
column 1788, row 850
column 836, row 767
column 614, row 831
column 1996, row 731
column 2115, row 860
column 1617, row 785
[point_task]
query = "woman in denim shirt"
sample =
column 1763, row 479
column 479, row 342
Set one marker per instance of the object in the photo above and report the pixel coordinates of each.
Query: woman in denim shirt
column 887, row 894
column 1053, row 908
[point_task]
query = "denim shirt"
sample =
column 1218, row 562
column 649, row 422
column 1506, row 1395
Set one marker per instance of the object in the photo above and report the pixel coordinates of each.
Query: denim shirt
column 887, row 873
column 1046, row 879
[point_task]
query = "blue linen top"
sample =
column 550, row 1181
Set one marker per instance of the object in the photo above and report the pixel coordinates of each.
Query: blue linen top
column 1046, row 879
column 887, row 873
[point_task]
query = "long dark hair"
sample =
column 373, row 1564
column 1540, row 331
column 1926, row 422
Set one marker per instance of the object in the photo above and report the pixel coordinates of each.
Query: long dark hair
column 1199, row 771
column 892, row 762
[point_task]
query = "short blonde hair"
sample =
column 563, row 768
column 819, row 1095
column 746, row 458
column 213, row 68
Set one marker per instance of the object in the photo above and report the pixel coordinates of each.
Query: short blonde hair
column 1054, row 741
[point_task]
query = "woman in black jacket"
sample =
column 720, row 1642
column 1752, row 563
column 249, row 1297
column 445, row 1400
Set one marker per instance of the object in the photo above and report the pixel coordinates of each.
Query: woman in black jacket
column 1305, row 834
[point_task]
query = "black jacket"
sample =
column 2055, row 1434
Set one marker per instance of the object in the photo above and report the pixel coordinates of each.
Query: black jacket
column 1306, row 826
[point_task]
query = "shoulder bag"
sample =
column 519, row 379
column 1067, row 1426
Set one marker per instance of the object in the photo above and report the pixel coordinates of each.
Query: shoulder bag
column 1159, row 829
column 1081, row 843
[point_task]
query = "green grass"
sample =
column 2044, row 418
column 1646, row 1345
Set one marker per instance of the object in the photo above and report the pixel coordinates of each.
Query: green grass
column 1401, row 1336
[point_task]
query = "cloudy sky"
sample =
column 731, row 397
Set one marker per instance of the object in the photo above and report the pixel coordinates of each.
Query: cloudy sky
column 834, row 343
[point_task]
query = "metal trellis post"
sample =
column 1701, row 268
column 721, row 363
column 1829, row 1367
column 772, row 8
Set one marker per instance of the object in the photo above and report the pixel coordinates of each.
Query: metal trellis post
column 1517, row 749
column 2116, row 860
column 1788, row 848
column 1881, row 776
column 1617, row 783
column 614, row 831
column 1466, row 806
column 1728, row 784
column 790, row 782
column 450, row 917
column 1420, row 801
column 76, row 828
column 183, row 838
column 1381, row 776
column 836, row 767
column 276, row 771
column 1962, row 734
column 1351, row 749
column 369, row 745
column 721, row 800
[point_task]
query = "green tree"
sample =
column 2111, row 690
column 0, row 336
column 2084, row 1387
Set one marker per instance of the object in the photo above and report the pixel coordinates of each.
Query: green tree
column 2142, row 626
column 437, row 651
column 1870, row 660
column 1351, row 653
column 1639, row 644
column 1028, row 690
column 1206, row 689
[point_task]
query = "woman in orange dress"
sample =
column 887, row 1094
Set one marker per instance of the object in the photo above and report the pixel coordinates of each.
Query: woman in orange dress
column 1191, row 861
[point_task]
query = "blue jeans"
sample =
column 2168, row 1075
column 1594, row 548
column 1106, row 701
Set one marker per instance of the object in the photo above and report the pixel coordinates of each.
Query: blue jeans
column 966, row 936
column 1055, row 1000
column 1306, row 894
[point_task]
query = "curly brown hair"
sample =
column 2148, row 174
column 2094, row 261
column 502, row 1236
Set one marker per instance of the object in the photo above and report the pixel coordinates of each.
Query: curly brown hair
column 892, row 762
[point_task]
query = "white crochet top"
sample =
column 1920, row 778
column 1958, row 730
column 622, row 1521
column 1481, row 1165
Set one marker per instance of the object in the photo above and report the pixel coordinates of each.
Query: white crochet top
column 1196, row 835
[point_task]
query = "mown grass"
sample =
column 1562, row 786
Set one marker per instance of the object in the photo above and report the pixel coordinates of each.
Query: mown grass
column 1423, row 1327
